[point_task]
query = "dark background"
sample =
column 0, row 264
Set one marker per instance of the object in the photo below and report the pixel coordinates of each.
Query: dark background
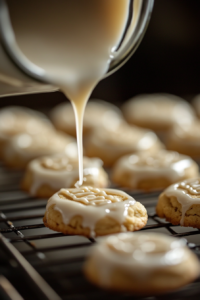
column 167, row 60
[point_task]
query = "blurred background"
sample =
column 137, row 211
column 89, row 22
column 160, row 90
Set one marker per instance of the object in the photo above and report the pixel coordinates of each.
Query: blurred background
column 167, row 60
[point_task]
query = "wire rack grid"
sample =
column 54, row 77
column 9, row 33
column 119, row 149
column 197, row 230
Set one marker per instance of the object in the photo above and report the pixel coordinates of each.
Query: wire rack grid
column 43, row 264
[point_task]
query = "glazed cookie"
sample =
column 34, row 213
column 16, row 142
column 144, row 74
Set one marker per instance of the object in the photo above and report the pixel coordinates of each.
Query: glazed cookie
column 158, row 112
column 109, row 145
column 185, row 139
column 16, row 119
column 141, row 263
column 148, row 171
column 23, row 148
column 97, row 113
column 46, row 175
column 180, row 203
column 93, row 212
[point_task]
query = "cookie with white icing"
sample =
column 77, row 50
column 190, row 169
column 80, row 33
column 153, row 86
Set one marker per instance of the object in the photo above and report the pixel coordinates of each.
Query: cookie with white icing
column 158, row 112
column 141, row 263
column 180, row 203
column 93, row 212
column 46, row 175
column 185, row 139
column 15, row 120
column 97, row 113
column 109, row 144
column 23, row 148
column 148, row 171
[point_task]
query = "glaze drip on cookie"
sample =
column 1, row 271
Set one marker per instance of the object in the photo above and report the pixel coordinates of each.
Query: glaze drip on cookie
column 187, row 193
column 140, row 254
column 58, row 171
column 164, row 164
column 92, row 204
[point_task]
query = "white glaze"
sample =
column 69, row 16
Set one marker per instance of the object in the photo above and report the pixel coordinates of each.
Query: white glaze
column 184, row 192
column 92, row 204
column 163, row 109
column 162, row 164
column 137, row 254
column 63, row 173
column 28, row 147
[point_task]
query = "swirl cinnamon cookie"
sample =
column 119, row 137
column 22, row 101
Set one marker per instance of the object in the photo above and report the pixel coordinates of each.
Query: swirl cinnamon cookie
column 97, row 113
column 158, row 112
column 180, row 203
column 147, row 171
column 23, row 148
column 46, row 175
column 15, row 120
column 93, row 212
column 109, row 144
column 185, row 139
column 141, row 263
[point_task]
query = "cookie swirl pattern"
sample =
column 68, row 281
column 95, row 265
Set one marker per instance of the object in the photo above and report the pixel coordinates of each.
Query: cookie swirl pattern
column 141, row 263
column 102, row 211
column 46, row 175
column 153, row 170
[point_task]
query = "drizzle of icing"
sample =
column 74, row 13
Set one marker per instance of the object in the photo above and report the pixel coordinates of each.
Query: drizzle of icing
column 59, row 171
column 139, row 254
column 93, row 204
column 187, row 193
column 166, row 164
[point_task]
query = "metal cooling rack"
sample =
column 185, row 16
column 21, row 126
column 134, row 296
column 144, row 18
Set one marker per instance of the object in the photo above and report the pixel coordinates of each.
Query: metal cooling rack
column 37, row 263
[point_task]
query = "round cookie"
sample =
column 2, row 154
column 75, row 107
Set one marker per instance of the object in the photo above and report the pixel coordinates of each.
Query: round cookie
column 23, row 148
column 46, row 175
column 141, row 263
column 196, row 104
column 148, row 171
column 109, row 144
column 17, row 119
column 93, row 212
column 158, row 112
column 180, row 203
column 185, row 139
column 96, row 114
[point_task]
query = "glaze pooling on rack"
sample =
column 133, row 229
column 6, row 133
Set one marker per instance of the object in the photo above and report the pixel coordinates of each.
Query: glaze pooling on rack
column 187, row 193
column 92, row 204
